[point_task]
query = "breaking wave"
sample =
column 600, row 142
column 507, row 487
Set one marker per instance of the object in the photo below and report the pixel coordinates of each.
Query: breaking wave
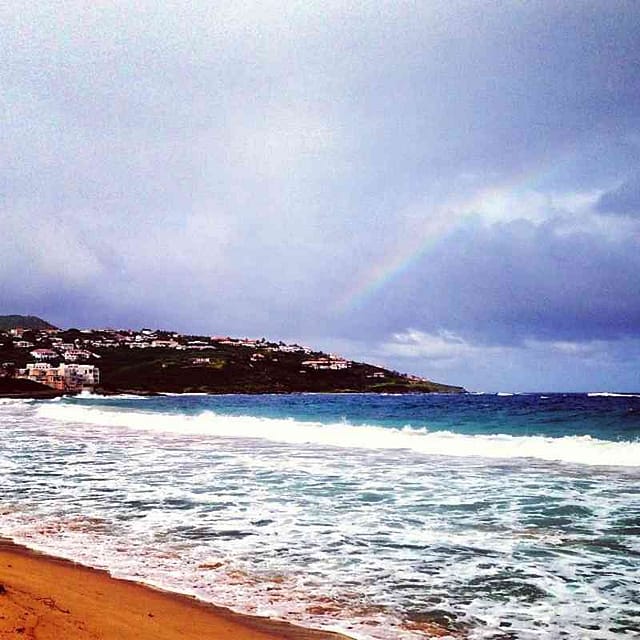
column 607, row 394
column 568, row 449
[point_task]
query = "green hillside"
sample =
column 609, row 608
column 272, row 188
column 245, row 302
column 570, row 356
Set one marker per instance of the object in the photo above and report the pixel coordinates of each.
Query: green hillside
column 155, row 361
column 25, row 322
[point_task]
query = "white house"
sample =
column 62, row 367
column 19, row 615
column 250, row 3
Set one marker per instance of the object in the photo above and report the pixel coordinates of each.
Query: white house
column 80, row 376
column 327, row 363
column 44, row 354
column 73, row 355
column 22, row 344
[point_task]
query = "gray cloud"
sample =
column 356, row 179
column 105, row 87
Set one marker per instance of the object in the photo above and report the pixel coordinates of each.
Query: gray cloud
column 237, row 168
column 507, row 282
column 624, row 200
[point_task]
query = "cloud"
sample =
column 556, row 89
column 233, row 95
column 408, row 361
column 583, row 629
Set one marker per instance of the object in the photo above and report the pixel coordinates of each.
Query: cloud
column 444, row 348
column 438, row 348
column 534, row 365
column 239, row 167
column 624, row 200
column 504, row 283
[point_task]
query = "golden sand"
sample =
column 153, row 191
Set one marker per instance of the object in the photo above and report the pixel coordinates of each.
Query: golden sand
column 46, row 598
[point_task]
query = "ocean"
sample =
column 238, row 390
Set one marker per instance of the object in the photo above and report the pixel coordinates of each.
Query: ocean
column 490, row 516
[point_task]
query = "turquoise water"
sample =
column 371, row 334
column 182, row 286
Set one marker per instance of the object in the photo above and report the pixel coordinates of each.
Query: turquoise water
column 491, row 516
column 602, row 416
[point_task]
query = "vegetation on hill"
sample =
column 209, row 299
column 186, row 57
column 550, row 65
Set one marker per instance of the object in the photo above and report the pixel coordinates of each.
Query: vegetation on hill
column 24, row 322
column 160, row 362
column 18, row 388
column 232, row 370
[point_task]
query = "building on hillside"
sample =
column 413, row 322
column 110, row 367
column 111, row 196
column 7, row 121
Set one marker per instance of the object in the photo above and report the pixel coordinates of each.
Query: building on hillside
column 327, row 364
column 22, row 344
column 165, row 344
column 139, row 345
column 66, row 377
column 293, row 348
column 43, row 373
column 44, row 354
column 75, row 355
column 80, row 376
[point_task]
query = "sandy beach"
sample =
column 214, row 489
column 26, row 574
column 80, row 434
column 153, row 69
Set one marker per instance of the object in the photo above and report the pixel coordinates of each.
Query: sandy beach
column 46, row 598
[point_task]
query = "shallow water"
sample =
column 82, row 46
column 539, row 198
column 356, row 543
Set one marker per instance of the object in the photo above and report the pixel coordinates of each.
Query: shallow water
column 492, row 516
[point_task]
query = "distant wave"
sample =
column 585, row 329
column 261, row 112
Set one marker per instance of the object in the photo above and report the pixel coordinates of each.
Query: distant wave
column 88, row 395
column 185, row 395
column 607, row 394
column 17, row 401
column 11, row 401
column 571, row 449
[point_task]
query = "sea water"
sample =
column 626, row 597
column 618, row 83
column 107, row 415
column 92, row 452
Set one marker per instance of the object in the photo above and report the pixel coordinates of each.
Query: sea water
column 490, row 516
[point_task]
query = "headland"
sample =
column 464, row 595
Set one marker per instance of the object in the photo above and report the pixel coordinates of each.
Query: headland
column 148, row 361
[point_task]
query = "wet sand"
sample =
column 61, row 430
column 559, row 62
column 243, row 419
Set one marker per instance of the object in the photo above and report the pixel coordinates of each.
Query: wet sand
column 47, row 598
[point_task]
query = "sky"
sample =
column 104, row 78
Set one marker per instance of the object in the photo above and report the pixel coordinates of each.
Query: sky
column 450, row 189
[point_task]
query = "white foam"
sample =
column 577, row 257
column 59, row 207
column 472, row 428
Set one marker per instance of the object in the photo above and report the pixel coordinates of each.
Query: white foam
column 186, row 395
column 608, row 394
column 16, row 402
column 570, row 449
column 88, row 395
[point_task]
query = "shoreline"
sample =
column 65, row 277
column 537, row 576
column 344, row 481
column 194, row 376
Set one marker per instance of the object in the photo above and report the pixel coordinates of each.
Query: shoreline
column 39, row 394
column 65, row 599
column 161, row 394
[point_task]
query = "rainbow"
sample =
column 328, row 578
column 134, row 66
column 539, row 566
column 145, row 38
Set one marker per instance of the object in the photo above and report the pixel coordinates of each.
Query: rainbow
column 392, row 265
column 397, row 261
column 444, row 222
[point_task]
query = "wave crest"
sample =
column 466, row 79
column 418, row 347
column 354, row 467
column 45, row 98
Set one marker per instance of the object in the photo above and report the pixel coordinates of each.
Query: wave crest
column 569, row 449
column 609, row 394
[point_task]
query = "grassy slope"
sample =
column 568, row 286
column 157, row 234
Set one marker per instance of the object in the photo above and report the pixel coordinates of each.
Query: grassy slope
column 231, row 370
column 25, row 322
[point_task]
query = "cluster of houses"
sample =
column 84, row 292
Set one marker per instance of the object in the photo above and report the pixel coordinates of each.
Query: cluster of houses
column 330, row 363
column 61, row 365
column 143, row 339
column 69, row 363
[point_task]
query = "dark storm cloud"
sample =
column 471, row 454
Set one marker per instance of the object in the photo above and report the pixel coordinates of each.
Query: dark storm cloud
column 505, row 283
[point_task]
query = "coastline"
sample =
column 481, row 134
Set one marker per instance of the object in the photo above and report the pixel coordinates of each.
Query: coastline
column 38, row 395
column 30, row 395
column 63, row 599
